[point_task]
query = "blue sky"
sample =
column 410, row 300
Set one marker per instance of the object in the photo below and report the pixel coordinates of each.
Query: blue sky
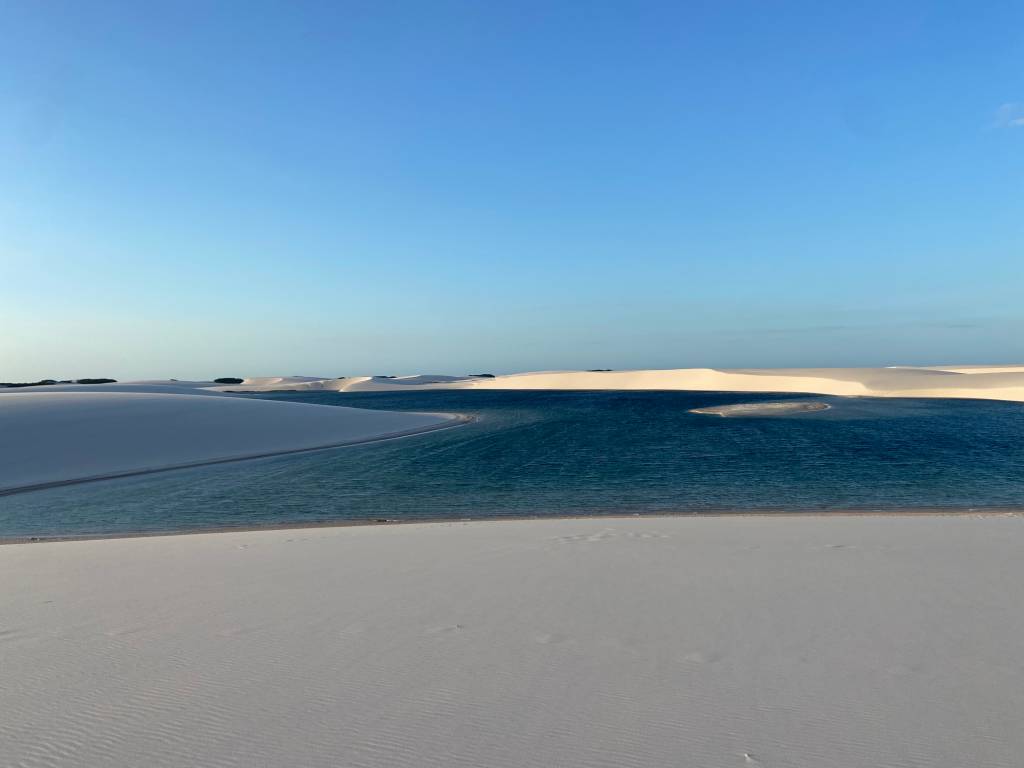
column 199, row 189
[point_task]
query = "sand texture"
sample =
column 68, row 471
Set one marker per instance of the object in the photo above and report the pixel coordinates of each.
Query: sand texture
column 796, row 642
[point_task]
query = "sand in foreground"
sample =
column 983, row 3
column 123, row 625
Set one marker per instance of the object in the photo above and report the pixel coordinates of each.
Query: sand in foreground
column 742, row 641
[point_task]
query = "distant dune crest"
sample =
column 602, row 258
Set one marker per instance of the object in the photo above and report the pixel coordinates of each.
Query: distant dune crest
column 997, row 382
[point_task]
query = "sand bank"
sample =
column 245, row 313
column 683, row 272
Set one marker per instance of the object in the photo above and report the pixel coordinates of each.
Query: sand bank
column 745, row 641
column 54, row 436
column 786, row 408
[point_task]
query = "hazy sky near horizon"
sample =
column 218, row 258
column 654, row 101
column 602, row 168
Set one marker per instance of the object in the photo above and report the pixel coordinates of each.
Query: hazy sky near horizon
column 191, row 189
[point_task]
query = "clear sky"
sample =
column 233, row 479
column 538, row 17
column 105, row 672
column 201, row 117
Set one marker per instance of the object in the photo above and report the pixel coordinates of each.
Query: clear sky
column 191, row 189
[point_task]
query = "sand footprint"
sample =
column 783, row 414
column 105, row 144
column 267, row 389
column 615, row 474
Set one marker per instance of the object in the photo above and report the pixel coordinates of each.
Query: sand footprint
column 445, row 629
column 901, row 670
column 609, row 533
column 134, row 629
column 702, row 657
column 552, row 638
column 12, row 634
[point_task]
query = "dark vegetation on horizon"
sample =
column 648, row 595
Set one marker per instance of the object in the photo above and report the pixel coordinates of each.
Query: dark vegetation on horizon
column 228, row 380
column 47, row 382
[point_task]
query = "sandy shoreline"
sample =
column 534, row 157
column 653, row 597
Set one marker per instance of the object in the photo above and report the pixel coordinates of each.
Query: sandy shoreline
column 59, row 436
column 379, row 521
column 794, row 641
column 454, row 420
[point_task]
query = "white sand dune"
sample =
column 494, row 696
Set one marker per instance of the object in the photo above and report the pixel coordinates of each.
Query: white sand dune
column 729, row 642
column 185, row 383
column 974, row 382
column 865, row 382
column 980, row 368
column 274, row 381
column 54, row 435
column 346, row 384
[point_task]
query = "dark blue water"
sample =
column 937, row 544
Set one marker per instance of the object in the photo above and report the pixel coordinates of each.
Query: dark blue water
column 564, row 453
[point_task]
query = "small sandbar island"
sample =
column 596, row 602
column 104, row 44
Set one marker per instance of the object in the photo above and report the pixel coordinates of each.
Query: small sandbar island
column 763, row 409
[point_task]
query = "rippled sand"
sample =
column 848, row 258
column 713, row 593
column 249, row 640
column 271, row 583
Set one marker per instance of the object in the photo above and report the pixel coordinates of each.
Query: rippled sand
column 627, row 643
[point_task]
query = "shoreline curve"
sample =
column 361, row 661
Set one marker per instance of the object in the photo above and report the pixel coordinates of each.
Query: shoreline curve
column 367, row 522
column 455, row 420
